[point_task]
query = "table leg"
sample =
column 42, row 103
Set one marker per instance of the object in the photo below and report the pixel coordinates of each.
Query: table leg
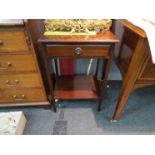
column 129, row 81
column 56, row 67
column 124, row 94
column 97, row 68
column 53, row 105
column 48, row 75
column 106, row 69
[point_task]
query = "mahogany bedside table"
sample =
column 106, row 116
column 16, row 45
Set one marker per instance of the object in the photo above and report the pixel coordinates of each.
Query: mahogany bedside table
column 70, row 87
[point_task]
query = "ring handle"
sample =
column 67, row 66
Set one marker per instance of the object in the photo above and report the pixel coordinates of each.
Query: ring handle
column 78, row 50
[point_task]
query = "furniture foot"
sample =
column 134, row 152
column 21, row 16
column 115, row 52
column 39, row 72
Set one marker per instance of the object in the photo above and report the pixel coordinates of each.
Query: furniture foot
column 124, row 94
column 54, row 108
column 113, row 121
column 53, row 105
column 99, row 105
column 56, row 100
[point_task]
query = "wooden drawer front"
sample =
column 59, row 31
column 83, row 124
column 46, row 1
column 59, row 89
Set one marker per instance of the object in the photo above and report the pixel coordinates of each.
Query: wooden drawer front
column 22, row 95
column 78, row 51
column 17, row 63
column 19, row 81
column 11, row 41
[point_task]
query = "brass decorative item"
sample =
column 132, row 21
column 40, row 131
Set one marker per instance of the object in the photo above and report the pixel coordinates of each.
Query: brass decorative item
column 77, row 25
column 5, row 66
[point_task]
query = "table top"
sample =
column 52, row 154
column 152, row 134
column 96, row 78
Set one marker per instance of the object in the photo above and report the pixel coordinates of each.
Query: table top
column 101, row 37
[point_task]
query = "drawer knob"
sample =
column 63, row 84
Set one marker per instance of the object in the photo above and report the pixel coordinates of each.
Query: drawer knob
column 9, row 83
column 1, row 42
column 78, row 50
column 5, row 66
column 19, row 98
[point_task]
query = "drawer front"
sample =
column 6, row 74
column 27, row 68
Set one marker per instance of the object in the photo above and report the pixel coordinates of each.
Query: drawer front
column 19, row 81
column 77, row 51
column 21, row 95
column 13, row 41
column 17, row 63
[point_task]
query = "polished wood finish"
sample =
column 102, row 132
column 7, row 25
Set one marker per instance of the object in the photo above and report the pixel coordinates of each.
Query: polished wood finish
column 134, row 63
column 13, row 41
column 77, row 86
column 20, row 80
column 36, row 29
column 71, row 51
column 99, row 38
column 133, row 28
column 21, row 95
column 85, row 87
column 18, row 63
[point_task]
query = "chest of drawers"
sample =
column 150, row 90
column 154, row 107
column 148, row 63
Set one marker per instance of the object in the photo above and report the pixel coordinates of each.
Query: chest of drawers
column 20, row 79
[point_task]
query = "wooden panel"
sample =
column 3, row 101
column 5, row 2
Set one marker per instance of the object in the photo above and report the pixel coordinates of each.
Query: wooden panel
column 130, row 39
column 19, row 81
column 128, row 45
column 12, row 41
column 78, row 51
column 149, row 70
column 21, row 95
column 124, row 58
column 45, row 104
column 137, row 30
column 75, row 87
column 36, row 29
column 17, row 63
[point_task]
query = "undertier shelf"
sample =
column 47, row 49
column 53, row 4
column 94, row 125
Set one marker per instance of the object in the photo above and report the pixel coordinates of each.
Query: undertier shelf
column 76, row 87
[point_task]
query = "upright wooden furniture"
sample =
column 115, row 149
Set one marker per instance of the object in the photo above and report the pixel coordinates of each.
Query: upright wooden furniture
column 77, row 86
column 135, row 64
column 20, row 80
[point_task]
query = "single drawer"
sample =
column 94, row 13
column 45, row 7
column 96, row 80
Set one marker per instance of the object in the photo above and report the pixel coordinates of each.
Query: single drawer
column 78, row 51
column 19, row 81
column 13, row 41
column 17, row 63
column 21, row 95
